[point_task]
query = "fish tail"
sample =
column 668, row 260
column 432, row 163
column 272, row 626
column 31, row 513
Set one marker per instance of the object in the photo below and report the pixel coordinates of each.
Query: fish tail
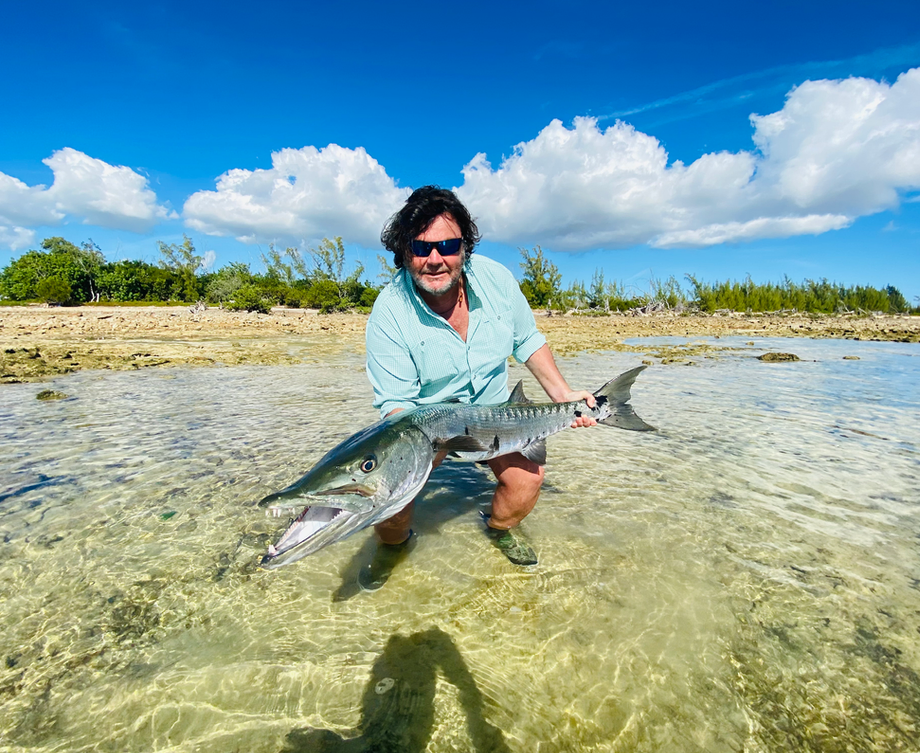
column 615, row 395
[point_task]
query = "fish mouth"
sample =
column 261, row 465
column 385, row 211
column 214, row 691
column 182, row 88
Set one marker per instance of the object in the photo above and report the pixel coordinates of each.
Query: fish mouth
column 305, row 534
column 332, row 514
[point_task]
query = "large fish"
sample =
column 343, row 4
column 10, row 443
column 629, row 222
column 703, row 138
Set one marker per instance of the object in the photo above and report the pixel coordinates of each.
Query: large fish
column 375, row 473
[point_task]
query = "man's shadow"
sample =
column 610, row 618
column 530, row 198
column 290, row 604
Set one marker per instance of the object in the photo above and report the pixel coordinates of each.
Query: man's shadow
column 397, row 715
column 454, row 489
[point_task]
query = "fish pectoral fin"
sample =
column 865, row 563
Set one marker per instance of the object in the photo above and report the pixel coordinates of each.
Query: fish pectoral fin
column 536, row 452
column 461, row 443
column 517, row 395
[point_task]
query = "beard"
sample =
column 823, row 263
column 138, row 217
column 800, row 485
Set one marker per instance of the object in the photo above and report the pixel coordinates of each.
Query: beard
column 418, row 277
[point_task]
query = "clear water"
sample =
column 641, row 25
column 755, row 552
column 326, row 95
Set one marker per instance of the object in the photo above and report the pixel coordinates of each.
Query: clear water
column 747, row 578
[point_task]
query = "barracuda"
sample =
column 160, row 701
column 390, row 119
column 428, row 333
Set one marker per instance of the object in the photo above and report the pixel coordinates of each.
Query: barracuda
column 375, row 473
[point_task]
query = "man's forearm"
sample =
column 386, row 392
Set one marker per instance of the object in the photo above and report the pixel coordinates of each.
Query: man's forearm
column 543, row 367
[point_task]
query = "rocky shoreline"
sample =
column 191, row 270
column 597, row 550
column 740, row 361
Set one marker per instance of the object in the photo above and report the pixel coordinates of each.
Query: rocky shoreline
column 40, row 342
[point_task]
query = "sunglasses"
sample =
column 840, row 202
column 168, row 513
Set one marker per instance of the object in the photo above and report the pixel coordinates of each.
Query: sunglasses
column 450, row 247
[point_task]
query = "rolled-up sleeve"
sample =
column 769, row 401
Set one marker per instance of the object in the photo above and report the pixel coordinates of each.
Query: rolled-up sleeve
column 391, row 370
column 527, row 338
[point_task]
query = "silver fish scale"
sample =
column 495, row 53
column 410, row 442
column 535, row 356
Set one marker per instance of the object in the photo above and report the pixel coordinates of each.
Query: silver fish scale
column 499, row 429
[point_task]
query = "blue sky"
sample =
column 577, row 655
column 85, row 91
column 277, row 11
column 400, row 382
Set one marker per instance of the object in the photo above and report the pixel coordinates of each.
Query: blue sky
column 616, row 136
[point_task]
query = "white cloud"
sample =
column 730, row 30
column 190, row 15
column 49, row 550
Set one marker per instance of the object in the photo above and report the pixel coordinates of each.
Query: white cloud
column 308, row 193
column 16, row 238
column 844, row 146
column 22, row 206
column 207, row 261
column 836, row 151
column 765, row 227
column 103, row 194
column 84, row 189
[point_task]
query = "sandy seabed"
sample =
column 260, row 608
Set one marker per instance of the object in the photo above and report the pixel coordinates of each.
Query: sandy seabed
column 40, row 342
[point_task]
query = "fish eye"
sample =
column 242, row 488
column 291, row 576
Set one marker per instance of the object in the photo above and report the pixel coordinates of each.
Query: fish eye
column 368, row 464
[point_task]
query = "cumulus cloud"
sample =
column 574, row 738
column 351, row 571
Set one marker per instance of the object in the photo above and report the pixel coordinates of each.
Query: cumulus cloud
column 23, row 207
column 765, row 227
column 16, row 238
column 85, row 189
column 103, row 194
column 207, row 261
column 307, row 193
column 26, row 205
column 837, row 150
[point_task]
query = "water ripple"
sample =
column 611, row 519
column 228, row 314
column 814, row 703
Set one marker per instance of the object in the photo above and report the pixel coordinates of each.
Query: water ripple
column 745, row 578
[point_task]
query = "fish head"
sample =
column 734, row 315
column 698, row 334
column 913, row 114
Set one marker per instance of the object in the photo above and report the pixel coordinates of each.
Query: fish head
column 367, row 478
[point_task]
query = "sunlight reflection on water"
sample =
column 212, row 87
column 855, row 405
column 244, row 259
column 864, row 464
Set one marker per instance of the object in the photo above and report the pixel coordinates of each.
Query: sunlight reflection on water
column 747, row 577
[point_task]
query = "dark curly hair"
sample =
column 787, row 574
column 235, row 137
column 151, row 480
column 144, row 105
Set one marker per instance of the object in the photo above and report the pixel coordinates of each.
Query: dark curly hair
column 422, row 208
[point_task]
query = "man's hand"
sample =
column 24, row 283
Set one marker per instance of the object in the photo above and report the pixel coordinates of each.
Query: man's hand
column 543, row 367
column 574, row 396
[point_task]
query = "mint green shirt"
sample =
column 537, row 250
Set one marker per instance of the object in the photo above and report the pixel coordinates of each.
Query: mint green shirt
column 415, row 357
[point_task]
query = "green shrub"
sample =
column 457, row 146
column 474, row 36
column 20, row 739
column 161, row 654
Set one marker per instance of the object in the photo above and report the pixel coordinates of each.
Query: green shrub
column 54, row 291
column 293, row 298
column 368, row 296
column 323, row 295
column 250, row 298
column 224, row 284
column 541, row 278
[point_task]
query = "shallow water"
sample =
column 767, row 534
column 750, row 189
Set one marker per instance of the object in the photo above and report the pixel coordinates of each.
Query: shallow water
column 747, row 578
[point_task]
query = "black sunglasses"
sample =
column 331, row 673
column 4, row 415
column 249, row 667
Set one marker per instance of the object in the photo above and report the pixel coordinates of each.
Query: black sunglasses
column 450, row 247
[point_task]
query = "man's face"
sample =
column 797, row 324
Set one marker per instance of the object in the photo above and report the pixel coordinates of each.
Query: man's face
column 436, row 274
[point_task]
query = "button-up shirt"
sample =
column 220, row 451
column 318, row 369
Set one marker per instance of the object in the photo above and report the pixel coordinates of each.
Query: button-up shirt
column 415, row 357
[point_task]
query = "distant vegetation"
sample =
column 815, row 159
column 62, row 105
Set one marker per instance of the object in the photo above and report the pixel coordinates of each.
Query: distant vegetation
column 813, row 296
column 542, row 286
column 66, row 274
column 62, row 273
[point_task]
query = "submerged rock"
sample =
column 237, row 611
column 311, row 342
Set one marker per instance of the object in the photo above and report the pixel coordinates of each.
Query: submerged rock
column 51, row 395
column 778, row 357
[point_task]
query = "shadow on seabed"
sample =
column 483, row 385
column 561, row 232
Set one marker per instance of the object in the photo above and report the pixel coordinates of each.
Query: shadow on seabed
column 397, row 714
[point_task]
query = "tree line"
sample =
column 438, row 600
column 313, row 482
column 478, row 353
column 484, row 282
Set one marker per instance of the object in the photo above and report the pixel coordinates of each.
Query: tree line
column 63, row 273
column 542, row 286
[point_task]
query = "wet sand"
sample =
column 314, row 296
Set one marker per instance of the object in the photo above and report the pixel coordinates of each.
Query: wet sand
column 40, row 342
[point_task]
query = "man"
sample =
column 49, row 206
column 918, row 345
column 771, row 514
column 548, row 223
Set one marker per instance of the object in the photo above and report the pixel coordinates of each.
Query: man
column 443, row 330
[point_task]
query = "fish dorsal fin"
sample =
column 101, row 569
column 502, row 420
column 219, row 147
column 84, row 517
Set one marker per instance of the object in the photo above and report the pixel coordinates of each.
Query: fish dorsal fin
column 536, row 451
column 517, row 395
column 462, row 443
